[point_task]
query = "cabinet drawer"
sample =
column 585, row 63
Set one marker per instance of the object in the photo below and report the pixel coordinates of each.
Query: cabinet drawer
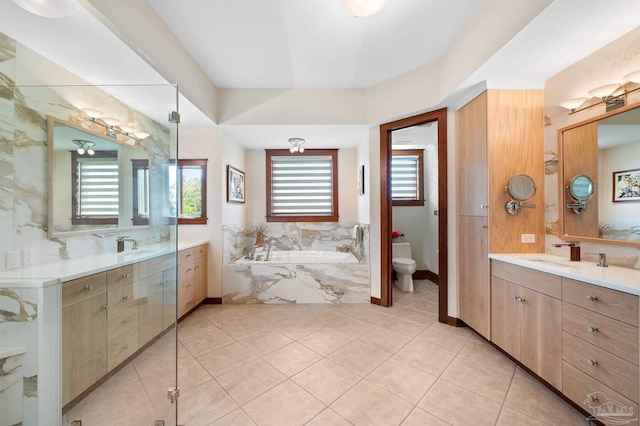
column 580, row 388
column 541, row 282
column 605, row 367
column 83, row 288
column 155, row 265
column 187, row 255
column 201, row 251
column 607, row 333
column 121, row 322
column 121, row 298
column 120, row 276
column 122, row 347
column 186, row 296
column 187, row 270
column 612, row 303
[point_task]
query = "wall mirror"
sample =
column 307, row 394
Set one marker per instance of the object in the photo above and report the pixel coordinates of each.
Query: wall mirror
column 521, row 188
column 96, row 184
column 601, row 156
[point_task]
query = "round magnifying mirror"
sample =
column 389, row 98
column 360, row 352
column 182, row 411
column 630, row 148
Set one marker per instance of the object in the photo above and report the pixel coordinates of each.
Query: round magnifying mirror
column 521, row 188
column 581, row 188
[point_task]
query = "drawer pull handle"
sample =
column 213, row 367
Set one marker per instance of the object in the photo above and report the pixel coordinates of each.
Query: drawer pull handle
column 518, row 298
column 592, row 329
column 188, row 254
column 484, row 206
column 127, row 275
column 483, row 226
column 189, row 270
column 592, row 298
column 88, row 288
column 125, row 347
column 126, row 297
column 125, row 321
column 593, row 362
column 105, row 307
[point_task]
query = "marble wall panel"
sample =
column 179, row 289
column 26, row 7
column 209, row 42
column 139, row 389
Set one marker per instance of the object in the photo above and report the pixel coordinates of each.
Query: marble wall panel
column 7, row 66
column 11, row 390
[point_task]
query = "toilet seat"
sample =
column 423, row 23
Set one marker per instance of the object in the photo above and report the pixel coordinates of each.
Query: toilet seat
column 401, row 261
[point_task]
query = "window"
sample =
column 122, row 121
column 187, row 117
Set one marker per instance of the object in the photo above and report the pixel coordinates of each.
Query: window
column 302, row 187
column 407, row 178
column 94, row 188
column 191, row 191
column 141, row 192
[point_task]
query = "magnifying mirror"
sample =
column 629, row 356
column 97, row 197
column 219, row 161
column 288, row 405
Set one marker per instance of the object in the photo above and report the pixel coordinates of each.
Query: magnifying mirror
column 580, row 191
column 521, row 188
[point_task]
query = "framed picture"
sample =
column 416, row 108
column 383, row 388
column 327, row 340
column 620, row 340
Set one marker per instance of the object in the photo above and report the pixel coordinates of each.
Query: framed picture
column 626, row 185
column 361, row 180
column 235, row 185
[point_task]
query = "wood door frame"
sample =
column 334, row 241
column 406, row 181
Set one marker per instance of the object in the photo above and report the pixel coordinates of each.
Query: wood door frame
column 386, row 283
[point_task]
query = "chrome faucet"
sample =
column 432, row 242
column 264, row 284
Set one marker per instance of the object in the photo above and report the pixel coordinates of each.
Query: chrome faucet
column 121, row 241
column 602, row 260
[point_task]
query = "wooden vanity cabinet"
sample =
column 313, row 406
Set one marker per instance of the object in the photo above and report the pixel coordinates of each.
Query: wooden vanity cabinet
column 192, row 278
column 201, row 273
column 154, row 282
column 526, row 318
column 122, row 314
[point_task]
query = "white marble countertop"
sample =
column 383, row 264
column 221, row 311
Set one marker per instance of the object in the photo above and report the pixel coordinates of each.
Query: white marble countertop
column 66, row 270
column 614, row 277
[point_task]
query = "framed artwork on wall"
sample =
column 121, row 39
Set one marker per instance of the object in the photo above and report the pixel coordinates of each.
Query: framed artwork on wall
column 626, row 185
column 361, row 180
column 235, row 185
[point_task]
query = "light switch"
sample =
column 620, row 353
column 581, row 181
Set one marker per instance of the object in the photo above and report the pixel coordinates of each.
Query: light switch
column 528, row 238
column 13, row 259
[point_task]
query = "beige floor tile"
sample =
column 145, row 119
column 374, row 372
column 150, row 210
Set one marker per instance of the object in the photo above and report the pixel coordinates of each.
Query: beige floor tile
column 359, row 358
column 328, row 417
column 324, row 342
column 295, row 332
column 509, row 417
column 479, row 379
column 155, row 361
column 234, row 418
column 464, row 332
column 368, row 404
column 203, row 404
column 410, row 314
column 404, row 328
column 383, row 340
column 326, row 380
column 403, row 380
column 268, row 409
column 428, row 359
column 240, row 328
column 459, row 406
column 523, row 375
column 250, row 381
column 264, row 342
column 420, row 417
column 485, row 354
column 537, row 401
column 434, row 337
column 292, row 359
column 225, row 359
column 202, row 343
column 194, row 326
column 352, row 328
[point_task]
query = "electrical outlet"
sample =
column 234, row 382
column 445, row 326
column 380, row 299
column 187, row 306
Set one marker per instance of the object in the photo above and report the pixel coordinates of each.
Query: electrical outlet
column 13, row 259
column 528, row 238
column 28, row 257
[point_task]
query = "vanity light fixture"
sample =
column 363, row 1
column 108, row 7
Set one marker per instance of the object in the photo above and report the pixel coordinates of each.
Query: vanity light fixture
column 49, row 8
column 114, row 126
column 362, row 8
column 84, row 147
column 603, row 92
column 613, row 96
column 296, row 145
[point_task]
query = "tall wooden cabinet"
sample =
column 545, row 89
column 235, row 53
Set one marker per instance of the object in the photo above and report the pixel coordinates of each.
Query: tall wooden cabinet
column 499, row 135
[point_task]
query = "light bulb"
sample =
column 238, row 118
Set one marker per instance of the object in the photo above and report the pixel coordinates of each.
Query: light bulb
column 90, row 151
column 292, row 149
column 80, row 151
column 301, row 150
column 363, row 8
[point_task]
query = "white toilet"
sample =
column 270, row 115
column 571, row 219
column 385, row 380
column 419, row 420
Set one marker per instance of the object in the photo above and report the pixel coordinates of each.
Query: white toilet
column 404, row 265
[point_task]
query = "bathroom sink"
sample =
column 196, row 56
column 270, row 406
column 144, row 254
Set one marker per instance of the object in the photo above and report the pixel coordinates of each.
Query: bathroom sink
column 550, row 262
column 134, row 253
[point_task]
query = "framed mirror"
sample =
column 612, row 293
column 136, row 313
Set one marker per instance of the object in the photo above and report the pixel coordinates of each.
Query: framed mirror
column 594, row 159
column 96, row 184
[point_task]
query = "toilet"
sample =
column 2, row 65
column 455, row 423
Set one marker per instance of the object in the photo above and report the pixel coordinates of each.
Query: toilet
column 404, row 265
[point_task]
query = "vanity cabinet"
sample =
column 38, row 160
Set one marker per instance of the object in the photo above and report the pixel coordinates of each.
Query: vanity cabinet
column 122, row 315
column 600, row 344
column 192, row 278
column 155, row 303
column 526, row 318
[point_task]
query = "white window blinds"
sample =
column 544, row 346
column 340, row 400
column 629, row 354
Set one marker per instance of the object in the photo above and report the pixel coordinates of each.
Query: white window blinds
column 302, row 185
column 405, row 184
column 97, row 188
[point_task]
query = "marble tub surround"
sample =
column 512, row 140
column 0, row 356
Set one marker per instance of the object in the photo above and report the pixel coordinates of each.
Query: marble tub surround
column 11, row 385
column 613, row 277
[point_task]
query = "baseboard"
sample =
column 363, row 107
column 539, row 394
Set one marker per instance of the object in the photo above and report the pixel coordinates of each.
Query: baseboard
column 456, row 322
column 426, row 275
column 375, row 301
column 212, row 301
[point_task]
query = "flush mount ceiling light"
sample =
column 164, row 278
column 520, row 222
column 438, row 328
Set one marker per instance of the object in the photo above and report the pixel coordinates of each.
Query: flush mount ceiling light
column 296, row 145
column 84, row 147
column 362, row 8
column 48, row 8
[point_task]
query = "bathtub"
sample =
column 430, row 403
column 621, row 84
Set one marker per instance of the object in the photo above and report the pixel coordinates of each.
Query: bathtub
column 299, row 257
column 308, row 276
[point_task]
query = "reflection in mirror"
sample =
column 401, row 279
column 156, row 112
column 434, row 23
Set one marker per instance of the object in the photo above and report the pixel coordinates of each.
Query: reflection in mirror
column 521, row 188
column 601, row 149
column 580, row 191
column 92, row 182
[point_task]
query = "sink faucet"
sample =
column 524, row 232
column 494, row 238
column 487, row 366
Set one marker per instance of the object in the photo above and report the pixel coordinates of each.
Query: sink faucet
column 121, row 241
column 602, row 260
column 575, row 250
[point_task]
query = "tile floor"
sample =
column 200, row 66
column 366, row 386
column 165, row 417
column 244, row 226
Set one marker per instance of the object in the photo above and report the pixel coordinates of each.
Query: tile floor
column 328, row 365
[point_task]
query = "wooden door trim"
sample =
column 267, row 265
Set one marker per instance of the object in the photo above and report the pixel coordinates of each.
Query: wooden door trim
column 386, row 282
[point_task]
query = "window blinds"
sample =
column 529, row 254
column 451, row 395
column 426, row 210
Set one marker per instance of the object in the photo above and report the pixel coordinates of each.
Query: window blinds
column 404, row 177
column 97, row 189
column 302, row 185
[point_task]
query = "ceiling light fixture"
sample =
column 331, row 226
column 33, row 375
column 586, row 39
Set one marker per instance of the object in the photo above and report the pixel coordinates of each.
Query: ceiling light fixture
column 613, row 96
column 114, row 126
column 48, row 8
column 362, row 8
column 296, row 145
column 84, row 147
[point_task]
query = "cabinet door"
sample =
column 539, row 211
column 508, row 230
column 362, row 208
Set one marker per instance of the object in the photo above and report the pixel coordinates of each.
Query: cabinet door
column 201, row 279
column 151, row 307
column 474, row 274
column 169, row 295
column 84, row 345
column 505, row 315
column 541, row 335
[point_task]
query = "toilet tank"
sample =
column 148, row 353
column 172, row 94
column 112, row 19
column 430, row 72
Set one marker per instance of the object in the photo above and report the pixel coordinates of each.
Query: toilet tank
column 401, row 250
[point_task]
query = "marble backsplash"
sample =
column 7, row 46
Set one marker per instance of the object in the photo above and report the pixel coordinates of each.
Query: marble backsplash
column 24, row 159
